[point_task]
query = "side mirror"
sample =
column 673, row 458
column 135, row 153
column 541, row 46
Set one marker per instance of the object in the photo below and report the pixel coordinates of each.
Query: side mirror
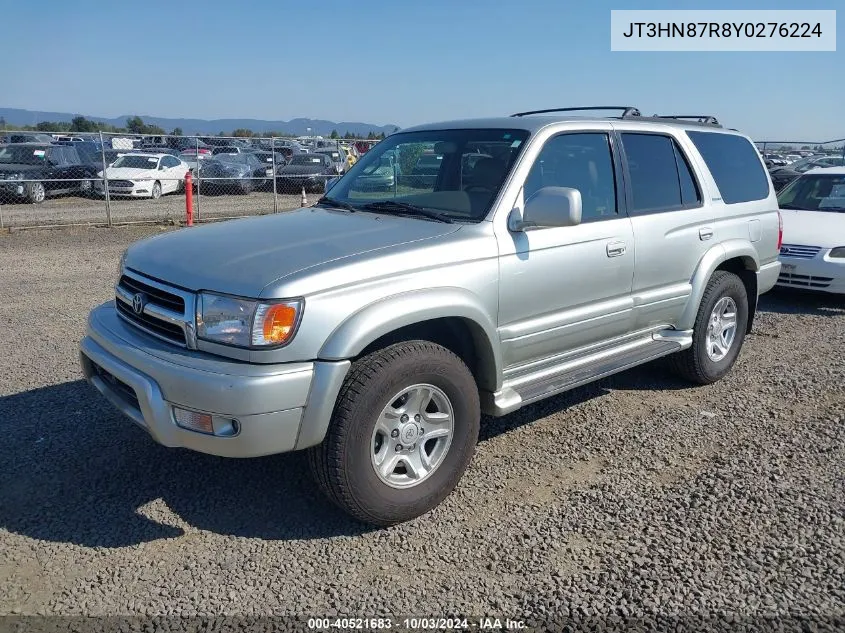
column 549, row 207
column 331, row 182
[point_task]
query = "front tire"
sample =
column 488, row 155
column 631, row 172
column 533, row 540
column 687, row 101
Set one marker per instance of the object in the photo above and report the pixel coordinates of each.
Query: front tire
column 718, row 333
column 403, row 432
column 155, row 194
column 36, row 193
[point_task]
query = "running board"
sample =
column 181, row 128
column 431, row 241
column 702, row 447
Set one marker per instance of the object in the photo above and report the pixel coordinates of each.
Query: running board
column 549, row 381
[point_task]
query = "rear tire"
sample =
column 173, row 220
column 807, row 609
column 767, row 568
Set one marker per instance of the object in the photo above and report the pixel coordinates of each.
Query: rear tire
column 715, row 347
column 371, row 420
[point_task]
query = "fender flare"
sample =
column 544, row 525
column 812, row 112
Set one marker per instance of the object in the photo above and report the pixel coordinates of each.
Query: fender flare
column 387, row 315
column 707, row 265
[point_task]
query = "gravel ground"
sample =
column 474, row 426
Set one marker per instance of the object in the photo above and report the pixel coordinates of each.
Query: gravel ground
column 78, row 210
column 639, row 496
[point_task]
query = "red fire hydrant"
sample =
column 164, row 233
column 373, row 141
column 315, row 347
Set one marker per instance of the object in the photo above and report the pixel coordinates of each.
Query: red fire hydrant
column 189, row 199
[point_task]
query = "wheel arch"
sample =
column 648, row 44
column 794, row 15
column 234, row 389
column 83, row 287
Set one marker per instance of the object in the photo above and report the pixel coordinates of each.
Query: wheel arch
column 450, row 317
column 735, row 256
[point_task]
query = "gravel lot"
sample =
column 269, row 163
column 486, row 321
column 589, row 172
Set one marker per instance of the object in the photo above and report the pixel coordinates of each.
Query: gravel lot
column 78, row 210
column 639, row 496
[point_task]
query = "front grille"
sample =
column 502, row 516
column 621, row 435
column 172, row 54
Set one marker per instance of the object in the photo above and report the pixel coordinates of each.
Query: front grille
column 163, row 314
column 798, row 251
column 161, row 328
column 120, row 183
column 124, row 391
column 156, row 295
column 803, row 281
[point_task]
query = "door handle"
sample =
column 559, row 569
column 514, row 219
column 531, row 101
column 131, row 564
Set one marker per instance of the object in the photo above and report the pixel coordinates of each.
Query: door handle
column 705, row 234
column 615, row 249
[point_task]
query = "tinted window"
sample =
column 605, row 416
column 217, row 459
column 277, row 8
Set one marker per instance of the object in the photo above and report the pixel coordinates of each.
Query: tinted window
column 690, row 195
column 734, row 164
column 655, row 184
column 579, row 161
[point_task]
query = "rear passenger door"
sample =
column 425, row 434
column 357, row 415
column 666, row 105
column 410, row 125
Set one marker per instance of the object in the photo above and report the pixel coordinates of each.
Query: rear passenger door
column 673, row 229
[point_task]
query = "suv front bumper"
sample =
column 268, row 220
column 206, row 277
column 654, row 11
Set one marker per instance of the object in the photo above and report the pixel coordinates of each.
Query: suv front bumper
column 276, row 408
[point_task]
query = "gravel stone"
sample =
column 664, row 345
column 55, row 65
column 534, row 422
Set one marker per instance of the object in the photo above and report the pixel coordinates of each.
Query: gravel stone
column 636, row 502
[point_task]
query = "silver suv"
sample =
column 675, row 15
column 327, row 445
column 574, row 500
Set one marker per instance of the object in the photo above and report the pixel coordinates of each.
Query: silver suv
column 374, row 328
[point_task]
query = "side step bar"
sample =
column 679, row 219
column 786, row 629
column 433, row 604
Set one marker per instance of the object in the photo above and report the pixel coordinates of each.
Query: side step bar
column 573, row 373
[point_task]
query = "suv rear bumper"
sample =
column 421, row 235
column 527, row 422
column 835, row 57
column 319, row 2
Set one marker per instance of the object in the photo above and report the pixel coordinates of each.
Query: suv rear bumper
column 767, row 277
column 275, row 408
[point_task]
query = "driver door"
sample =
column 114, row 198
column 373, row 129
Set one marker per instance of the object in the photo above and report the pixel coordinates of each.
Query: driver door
column 563, row 289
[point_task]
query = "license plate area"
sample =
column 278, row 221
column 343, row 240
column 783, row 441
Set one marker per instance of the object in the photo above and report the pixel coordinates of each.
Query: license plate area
column 788, row 267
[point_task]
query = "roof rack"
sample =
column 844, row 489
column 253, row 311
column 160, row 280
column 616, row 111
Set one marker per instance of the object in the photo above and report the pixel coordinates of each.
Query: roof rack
column 627, row 111
column 696, row 118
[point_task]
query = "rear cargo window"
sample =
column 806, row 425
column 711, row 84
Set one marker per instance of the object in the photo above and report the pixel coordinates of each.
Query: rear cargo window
column 734, row 164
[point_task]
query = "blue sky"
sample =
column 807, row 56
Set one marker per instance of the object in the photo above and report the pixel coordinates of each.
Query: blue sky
column 397, row 62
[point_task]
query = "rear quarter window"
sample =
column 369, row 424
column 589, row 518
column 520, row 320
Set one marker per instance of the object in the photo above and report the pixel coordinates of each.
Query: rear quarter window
column 734, row 164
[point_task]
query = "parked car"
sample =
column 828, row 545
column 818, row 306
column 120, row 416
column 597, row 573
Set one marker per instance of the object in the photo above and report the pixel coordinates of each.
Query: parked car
column 59, row 138
column 267, row 157
column 374, row 330
column 782, row 176
column 337, row 157
column 143, row 175
column 813, row 252
column 240, row 173
column 21, row 137
column 159, row 149
column 229, row 149
column 34, row 171
column 308, row 171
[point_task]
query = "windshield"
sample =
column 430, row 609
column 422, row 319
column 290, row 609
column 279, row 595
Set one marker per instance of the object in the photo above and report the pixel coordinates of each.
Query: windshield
column 23, row 155
column 231, row 158
column 814, row 192
column 306, row 159
column 137, row 162
column 457, row 173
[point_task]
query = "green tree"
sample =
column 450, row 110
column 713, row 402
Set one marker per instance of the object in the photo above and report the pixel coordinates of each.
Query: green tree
column 2, row 123
column 334, row 134
column 177, row 131
column 51, row 126
column 242, row 133
column 136, row 125
column 81, row 124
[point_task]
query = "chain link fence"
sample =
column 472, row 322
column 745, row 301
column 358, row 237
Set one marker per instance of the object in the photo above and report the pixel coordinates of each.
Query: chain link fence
column 108, row 179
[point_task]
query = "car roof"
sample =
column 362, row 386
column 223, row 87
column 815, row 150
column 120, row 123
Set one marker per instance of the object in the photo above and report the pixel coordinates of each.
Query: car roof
column 833, row 171
column 534, row 123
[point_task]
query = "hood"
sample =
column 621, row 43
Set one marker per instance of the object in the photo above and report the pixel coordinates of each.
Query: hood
column 16, row 168
column 241, row 257
column 813, row 228
column 130, row 173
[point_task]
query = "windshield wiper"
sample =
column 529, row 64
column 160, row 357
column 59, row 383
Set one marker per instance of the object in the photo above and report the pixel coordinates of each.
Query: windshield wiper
column 336, row 204
column 404, row 207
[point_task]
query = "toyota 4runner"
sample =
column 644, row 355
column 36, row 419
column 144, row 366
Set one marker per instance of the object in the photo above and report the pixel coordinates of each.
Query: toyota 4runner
column 373, row 329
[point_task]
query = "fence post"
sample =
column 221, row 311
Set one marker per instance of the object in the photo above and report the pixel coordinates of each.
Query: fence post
column 105, row 180
column 199, row 178
column 2, row 226
column 273, row 158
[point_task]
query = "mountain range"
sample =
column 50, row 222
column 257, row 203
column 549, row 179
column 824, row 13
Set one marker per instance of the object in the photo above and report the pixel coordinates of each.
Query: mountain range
column 16, row 116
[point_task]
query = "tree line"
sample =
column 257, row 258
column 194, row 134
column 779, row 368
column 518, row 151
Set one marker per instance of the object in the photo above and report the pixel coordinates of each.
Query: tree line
column 136, row 125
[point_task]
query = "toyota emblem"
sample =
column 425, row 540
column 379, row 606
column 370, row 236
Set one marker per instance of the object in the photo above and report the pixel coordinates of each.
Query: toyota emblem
column 138, row 302
column 784, row 250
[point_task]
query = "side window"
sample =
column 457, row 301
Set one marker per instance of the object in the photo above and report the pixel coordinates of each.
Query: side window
column 661, row 178
column 170, row 161
column 581, row 161
column 734, row 164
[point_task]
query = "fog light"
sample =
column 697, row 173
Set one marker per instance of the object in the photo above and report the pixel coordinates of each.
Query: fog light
column 193, row 421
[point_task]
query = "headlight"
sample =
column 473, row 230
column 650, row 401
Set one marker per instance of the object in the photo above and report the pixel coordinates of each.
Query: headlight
column 246, row 323
column 839, row 251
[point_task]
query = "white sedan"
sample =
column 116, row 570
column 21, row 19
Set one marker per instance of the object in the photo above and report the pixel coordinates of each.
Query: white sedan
column 813, row 210
column 144, row 175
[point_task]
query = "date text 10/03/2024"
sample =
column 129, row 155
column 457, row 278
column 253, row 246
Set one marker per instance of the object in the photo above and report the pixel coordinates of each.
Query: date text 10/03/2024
column 417, row 624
